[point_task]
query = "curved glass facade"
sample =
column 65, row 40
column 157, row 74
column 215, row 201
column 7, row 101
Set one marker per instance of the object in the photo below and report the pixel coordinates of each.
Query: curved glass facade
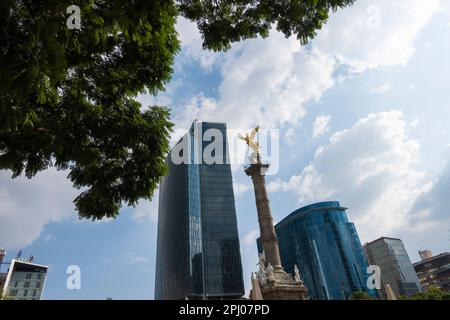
column 198, row 252
column 325, row 246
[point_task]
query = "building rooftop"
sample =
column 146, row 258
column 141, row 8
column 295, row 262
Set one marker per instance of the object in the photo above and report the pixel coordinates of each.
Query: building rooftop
column 27, row 266
column 431, row 259
column 330, row 205
column 382, row 238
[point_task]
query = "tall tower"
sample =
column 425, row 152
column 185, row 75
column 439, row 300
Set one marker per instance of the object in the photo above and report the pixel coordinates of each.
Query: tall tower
column 268, row 237
column 2, row 255
column 198, row 251
column 275, row 283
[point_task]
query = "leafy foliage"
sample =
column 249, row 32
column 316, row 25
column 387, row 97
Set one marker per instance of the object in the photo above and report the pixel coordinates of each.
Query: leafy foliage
column 67, row 97
column 360, row 295
column 432, row 293
column 222, row 22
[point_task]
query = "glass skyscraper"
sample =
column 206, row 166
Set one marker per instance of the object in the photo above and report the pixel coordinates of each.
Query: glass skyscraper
column 396, row 267
column 325, row 246
column 198, row 252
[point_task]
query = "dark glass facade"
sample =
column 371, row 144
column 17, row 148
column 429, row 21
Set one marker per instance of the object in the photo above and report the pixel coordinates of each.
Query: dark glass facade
column 396, row 268
column 325, row 246
column 198, row 251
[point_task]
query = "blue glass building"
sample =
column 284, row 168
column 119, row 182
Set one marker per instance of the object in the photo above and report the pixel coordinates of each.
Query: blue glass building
column 198, row 252
column 325, row 246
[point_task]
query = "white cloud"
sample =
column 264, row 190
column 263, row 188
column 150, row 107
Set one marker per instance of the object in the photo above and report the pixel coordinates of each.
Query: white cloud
column 433, row 205
column 240, row 188
column 381, row 90
column 269, row 81
column 250, row 238
column 139, row 260
column 161, row 99
column 370, row 34
column 369, row 167
column 134, row 258
column 284, row 186
column 28, row 205
column 289, row 136
column 266, row 82
column 48, row 237
column 146, row 210
column 191, row 43
column 321, row 126
column 429, row 222
column 413, row 124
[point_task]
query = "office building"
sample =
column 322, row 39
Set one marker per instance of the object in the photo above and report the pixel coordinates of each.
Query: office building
column 24, row 280
column 198, row 251
column 396, row 267
column 434, row 271
column 325, row 246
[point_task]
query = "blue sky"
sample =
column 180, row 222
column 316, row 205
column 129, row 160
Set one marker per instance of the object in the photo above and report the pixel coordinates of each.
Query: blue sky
column 363, row 114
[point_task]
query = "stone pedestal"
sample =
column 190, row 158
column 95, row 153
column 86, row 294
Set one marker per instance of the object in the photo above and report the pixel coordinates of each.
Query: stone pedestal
column 279, row 285
column 283, row 287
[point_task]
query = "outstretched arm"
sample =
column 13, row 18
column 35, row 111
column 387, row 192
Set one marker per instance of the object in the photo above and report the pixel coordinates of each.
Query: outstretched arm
column 254, row 132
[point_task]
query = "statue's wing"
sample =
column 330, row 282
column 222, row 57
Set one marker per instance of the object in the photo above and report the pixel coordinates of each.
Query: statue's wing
column 254, row 132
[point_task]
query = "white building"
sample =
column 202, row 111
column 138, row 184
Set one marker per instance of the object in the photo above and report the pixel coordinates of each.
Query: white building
column 25, row 280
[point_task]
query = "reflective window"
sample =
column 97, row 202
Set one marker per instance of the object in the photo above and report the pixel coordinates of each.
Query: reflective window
column 198, row 252
column 325, row 246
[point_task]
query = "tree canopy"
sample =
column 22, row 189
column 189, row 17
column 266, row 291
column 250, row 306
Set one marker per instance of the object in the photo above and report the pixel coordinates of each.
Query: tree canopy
column 431, row 293
column 68, row 96
column 361, row 295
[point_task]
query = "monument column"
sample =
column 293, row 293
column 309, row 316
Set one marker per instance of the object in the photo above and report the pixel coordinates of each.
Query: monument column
column 268, row 236
column 274, row 282
column 2, row 254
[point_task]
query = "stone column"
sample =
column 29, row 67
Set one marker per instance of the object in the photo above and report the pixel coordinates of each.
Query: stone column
column 2, row 254
column 279, row 284
column 268, row 236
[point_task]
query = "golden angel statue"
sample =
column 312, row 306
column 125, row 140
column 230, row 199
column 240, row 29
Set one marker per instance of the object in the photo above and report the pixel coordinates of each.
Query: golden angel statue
column 250, row 139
